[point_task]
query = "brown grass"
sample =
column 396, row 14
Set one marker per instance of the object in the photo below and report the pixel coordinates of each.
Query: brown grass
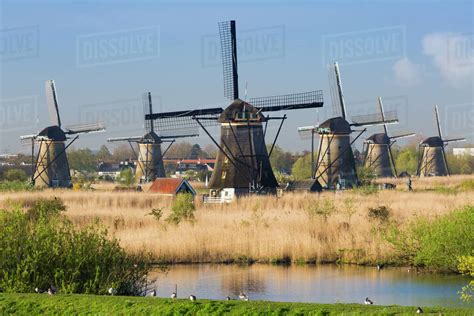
column 264, row 228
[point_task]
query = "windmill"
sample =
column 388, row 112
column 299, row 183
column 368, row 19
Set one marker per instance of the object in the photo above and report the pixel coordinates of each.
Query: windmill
column 150, row 157
column 432, row 157
column 242, row 161
column 335, row 163
column 51, row 168
column 378, row 149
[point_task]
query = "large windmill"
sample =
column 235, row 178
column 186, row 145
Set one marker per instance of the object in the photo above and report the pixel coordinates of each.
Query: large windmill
column 243, row 160
column 150, row 157
column 52, row 168
column 335, row 163
column 378, row 149
column 432, row 157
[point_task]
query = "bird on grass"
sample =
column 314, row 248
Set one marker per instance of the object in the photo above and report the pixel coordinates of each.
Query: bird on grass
column 227, row 298
column 192, row 297
column 51, row 290
column 173, row 295
column 368, row 301
column 37, row 290
column 152, row 293
column 112, row 291
column 243, row 296
column 419, row 310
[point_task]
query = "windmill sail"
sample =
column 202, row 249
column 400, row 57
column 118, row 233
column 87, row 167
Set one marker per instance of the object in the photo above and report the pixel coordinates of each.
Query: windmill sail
column 52, row 102
column 293, row 101
column 85, row 128
column 228, row 37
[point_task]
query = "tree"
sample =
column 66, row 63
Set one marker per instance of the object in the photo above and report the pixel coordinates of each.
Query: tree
column 197, row 152
column 82, row 160
column 407, row 160
column 180, row 150
column 126, row 177
column 210, row 150
column 123, row 152
column 104, row 154
column 281, row 160
column 302, row 168
column 15, row 175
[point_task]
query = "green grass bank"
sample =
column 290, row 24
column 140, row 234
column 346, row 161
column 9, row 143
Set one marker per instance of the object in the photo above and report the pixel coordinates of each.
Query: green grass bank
column 36, row 304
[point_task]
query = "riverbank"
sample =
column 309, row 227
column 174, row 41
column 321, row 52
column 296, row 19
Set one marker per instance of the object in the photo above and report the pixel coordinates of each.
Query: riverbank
column 347, row 227
column 23, row 304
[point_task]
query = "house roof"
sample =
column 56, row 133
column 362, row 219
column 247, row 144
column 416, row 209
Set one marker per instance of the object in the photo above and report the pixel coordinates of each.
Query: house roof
column 169, row 186
column 310, row 185
column 108, row 167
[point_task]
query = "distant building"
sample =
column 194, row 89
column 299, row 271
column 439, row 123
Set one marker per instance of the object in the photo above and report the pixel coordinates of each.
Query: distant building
column 309, row 185
column 463, row 151
column 111, row 170
column 183, row 165
column 171, row 186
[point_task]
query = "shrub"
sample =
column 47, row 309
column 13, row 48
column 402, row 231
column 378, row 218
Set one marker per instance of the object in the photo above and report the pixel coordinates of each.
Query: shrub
column 366, row 175
column 382, row 213
column 183, row 209
column 41, row 248
column 15, row 186
column 323, row 208
column 466, row 266
column 15, row 175
column 126, row 177
column 436, row 244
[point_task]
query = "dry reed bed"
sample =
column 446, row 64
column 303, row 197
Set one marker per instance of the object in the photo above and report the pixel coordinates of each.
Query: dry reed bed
column 264, row 228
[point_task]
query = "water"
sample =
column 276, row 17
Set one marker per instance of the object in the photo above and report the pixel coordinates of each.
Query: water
column 320, row 284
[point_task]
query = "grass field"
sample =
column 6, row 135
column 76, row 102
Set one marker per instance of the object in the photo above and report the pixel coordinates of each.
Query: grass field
column 36, row 304
column 297, row 227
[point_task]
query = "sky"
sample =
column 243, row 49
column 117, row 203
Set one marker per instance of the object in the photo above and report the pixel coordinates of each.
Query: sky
column 103, row 55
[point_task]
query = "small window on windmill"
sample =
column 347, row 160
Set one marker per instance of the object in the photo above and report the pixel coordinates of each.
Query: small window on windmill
column 226, row 160
column 224, row 173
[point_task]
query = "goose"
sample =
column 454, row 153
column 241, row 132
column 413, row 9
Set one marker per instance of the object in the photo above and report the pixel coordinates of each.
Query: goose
column 192, row 297
column 37, row 290
column 368, row 301
column 173, row 295
column 419, row 310
column 243, row 297
column 227, row 298
column 112, row 291
column 153, row 293
column 51, row 291
column 379, row 267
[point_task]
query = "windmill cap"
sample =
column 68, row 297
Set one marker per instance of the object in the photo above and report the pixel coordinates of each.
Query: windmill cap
column 238, row 106
column 434, row 141
column 379, row 138
column 54, row 133
column 151, row 137
column 336, row 125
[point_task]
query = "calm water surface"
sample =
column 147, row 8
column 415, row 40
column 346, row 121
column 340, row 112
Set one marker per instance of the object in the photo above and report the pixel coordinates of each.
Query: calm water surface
column 321, row 284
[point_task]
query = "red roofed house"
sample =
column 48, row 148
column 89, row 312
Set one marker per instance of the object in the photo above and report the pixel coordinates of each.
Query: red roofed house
column 171, row 186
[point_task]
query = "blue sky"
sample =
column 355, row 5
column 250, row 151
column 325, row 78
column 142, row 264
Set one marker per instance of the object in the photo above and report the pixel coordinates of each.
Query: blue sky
column 412, row 53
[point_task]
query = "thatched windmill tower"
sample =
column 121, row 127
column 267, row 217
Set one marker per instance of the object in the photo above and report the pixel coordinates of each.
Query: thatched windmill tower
column 150, row 157
column 52, row 168
column 242, row 161
column 378, row 150
column 432, row 157
column 335, row 163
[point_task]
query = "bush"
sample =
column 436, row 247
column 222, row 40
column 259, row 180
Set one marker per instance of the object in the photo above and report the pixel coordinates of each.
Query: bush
column 41, row 248
column 126, row 177
column 436, row 244
column 15, row 175
column 15, row 186
column 466, row 266
column 382, row 213
column 323, row 208
column 366, row 175
column 182, row 209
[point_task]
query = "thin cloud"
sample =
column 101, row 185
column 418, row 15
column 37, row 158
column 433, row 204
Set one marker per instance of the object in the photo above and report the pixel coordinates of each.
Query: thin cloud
column 453, row 55
column 406, row 72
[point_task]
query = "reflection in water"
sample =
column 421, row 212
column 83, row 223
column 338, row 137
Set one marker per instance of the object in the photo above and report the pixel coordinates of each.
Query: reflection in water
column 322, row 284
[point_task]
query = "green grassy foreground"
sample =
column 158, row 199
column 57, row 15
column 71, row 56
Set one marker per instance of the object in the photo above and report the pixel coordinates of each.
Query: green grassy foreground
column 34, row 304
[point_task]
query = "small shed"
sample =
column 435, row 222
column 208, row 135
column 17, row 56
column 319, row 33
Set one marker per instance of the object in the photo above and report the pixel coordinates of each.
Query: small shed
column 171, row 186
column 310, row 185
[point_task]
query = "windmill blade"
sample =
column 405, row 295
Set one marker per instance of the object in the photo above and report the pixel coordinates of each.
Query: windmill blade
column 382, row 115
column 124, row 139
column 402, row 135
column 27, row 137
column 306, row 132
column 183, row 120
column 305, row 100
column 148, row 109
column 85, row 128
column 229, row 59
column 52, row 102
column 337, row 94
column 179, row 136
column 452, row 140
column 375, row 119
column 438, row 124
